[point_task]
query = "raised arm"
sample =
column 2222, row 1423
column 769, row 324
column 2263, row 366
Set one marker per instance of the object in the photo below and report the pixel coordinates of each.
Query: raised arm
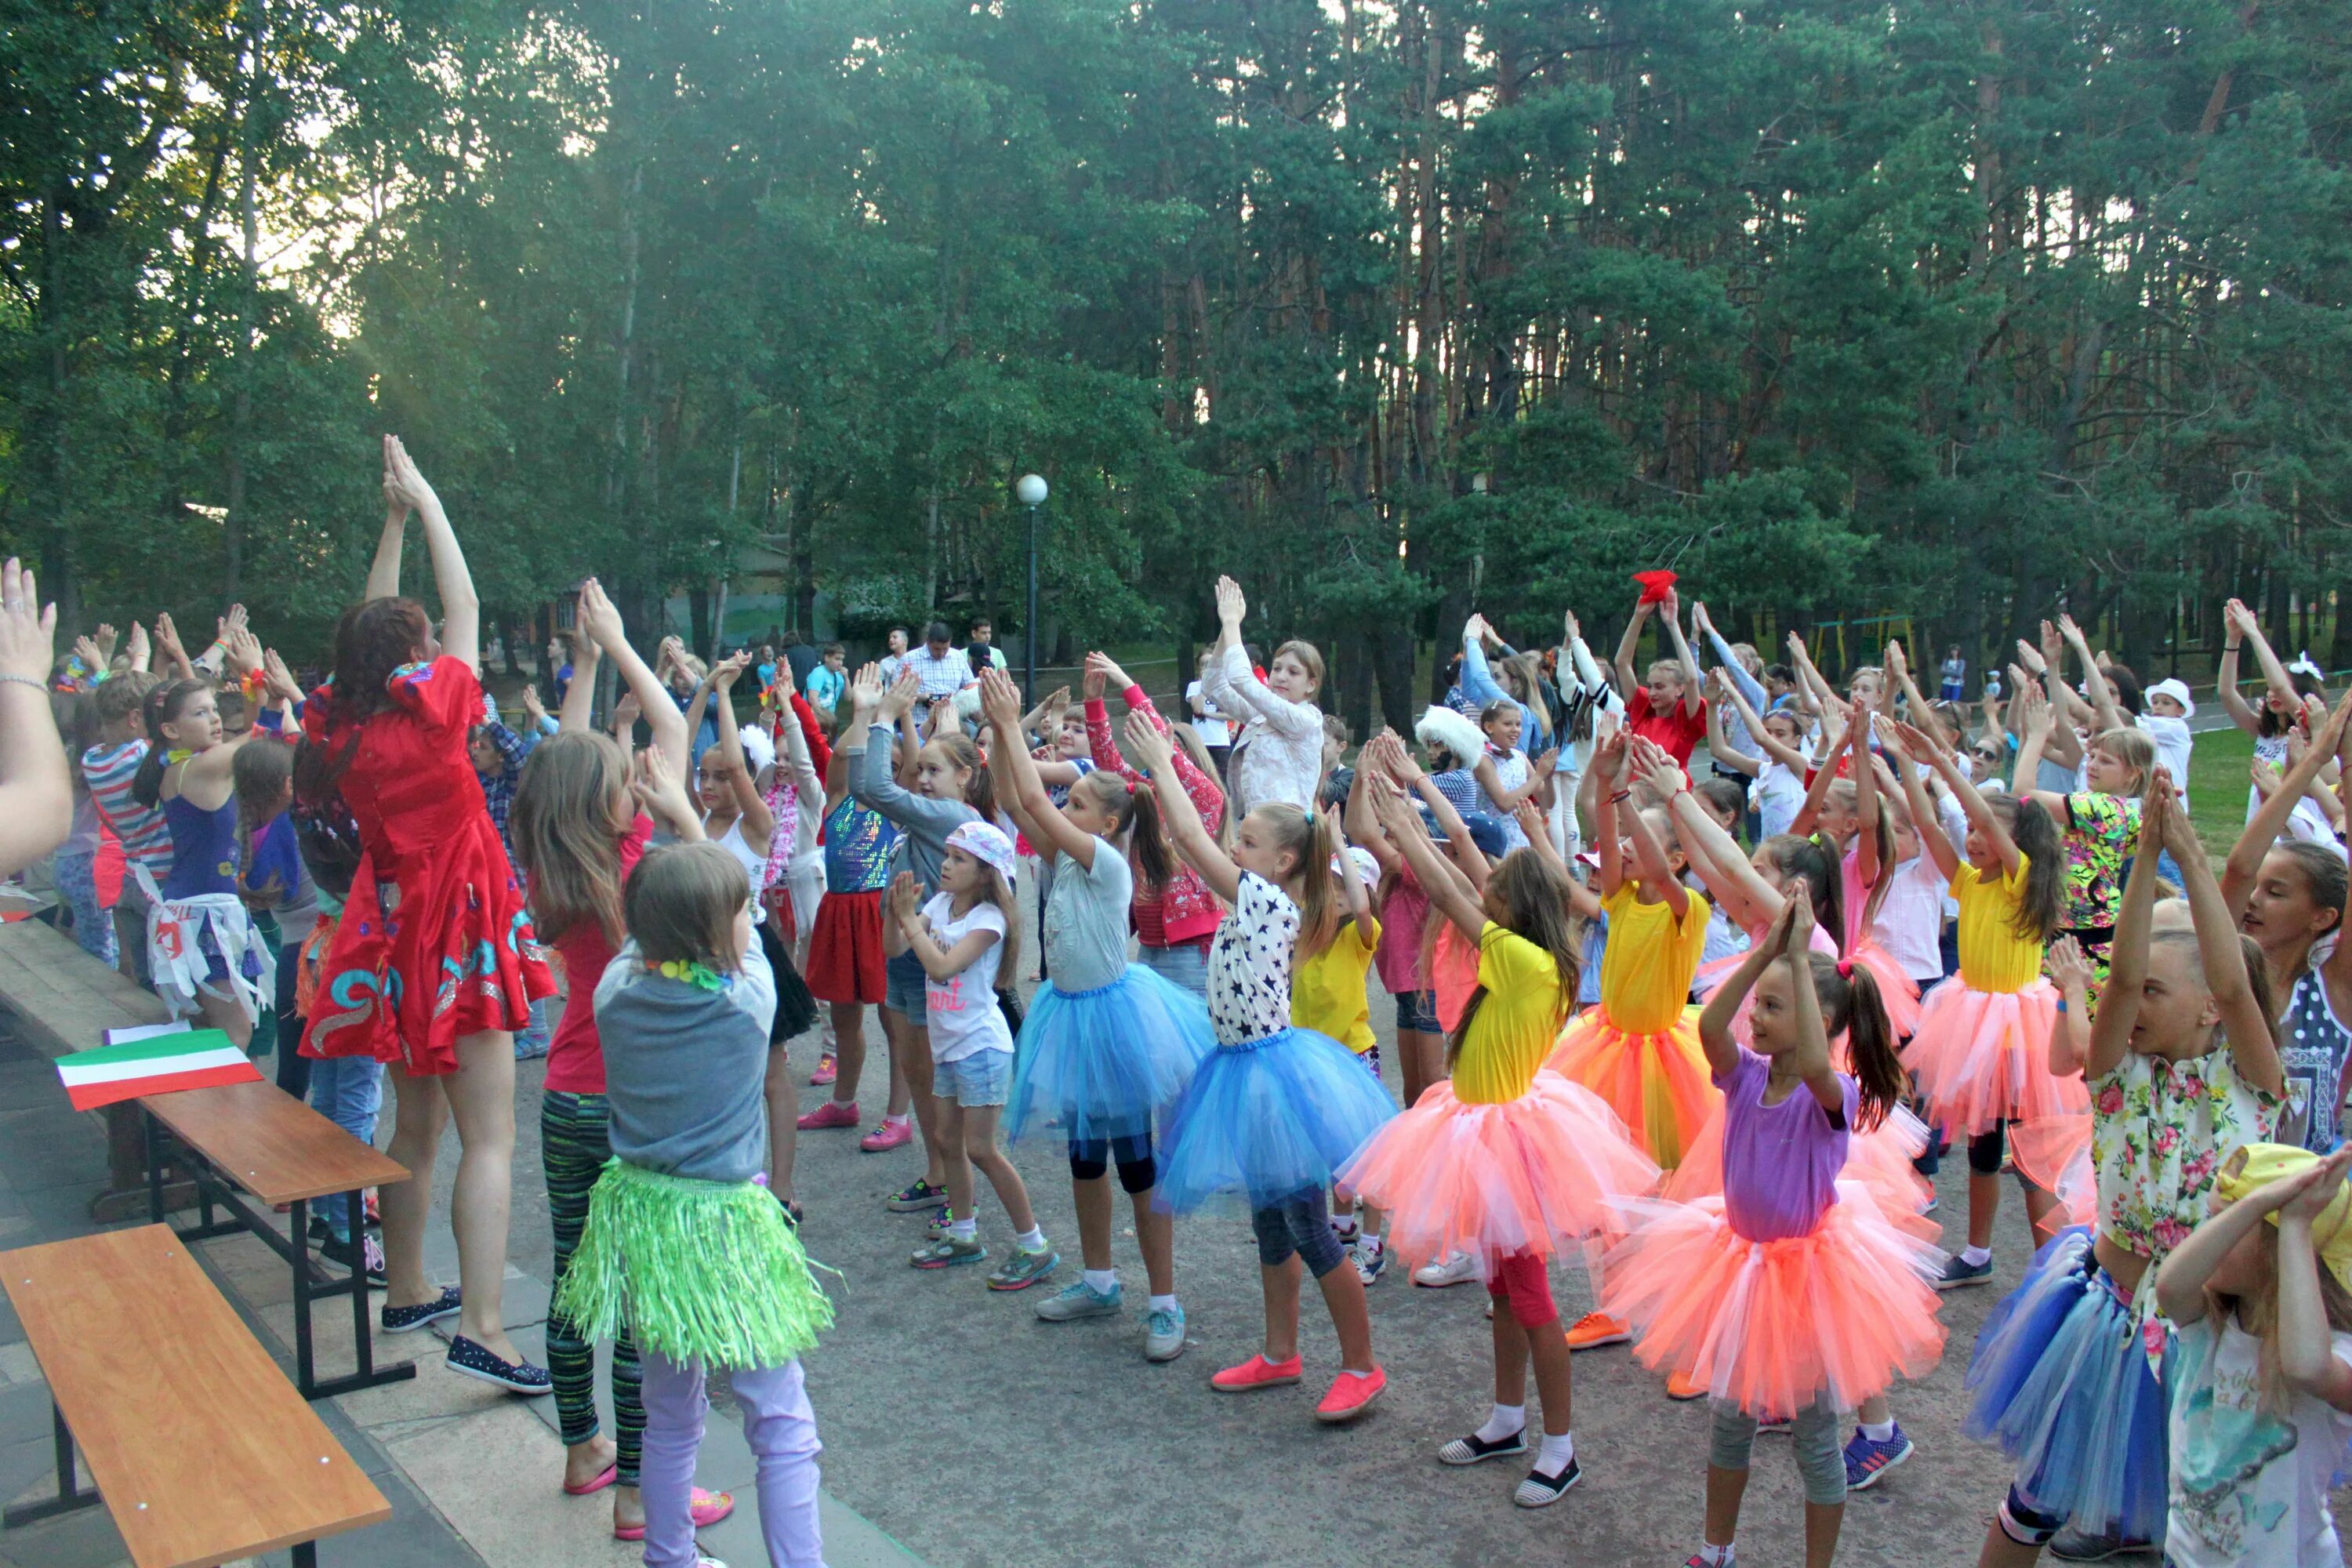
column 1750, row 689
column 1650, row 865
column 1809, row 813
column 2274, row 673
column 2253, row 1045
column 2034, row 720
column 577, row 710
column 461, row 612
column 1718, row 748
column 602, row 622
column 1448, row 893
column 36, row 783
column 1906, row 742
column 383, row 572
column 1813, row 1062
column 1186, row 832
column 1629, row 645
column 1671, row 623
column 759, row 818
column 1017, row 780
column 2070, row 972
column 1746, row 898
column 2120, row 1003
column 2308, row 1357
column 1810, row 675
column 1465, row 860
column 2244, row 865
column 2225, row 678
column 1715, row 1035
column 1609, row 769
column 2105, row 715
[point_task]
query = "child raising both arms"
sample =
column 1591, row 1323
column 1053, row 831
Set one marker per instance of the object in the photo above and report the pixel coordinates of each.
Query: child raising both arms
column 1275, row 1109
column 962, row 937
column 2261, row 1363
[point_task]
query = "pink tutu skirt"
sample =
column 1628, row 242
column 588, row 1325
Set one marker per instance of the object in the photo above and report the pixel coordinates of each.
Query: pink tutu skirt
column 2053, row 1152
column 1982, row 1057
column 1880, row 1160
column 1659, row 1085
column 1530, row 1175
column 1769, row 1326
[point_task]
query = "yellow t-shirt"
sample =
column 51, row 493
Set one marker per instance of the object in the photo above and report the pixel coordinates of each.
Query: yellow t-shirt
column 1517, row 1022
column 1646, row 967
column 1327, row 992
column 1993, row 957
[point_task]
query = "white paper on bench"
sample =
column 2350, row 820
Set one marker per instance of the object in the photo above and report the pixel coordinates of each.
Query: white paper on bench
column 146, row 1031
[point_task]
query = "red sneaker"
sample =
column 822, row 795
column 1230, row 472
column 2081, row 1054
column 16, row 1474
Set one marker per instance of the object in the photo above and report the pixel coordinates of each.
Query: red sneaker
column 1257, row 1372
column 827, row 1071
column 890, row 1135
column 1681, row 1387
column 1350, row 1396
column 832, row 1113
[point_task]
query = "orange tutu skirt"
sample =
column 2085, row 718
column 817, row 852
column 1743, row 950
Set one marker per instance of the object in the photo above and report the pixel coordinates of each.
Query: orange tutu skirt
column 1658, row 1084
column 1984, row 1057
column 1769, row 1326
column 1532, row 1175
column 1880, row 1160
column 2053, row 1152
column 1896, row 989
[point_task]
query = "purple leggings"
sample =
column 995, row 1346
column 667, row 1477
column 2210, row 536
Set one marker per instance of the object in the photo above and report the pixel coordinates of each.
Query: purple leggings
column 780, row 1427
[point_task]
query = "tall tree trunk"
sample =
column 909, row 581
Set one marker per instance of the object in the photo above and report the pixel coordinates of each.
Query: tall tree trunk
column 233, row 525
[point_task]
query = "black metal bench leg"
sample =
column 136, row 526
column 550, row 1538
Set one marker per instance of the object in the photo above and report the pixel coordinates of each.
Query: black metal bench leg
column 306, row 1554
column 70, row 1493
column 155, row 1165
column 367, row 1374
column 305, row 1374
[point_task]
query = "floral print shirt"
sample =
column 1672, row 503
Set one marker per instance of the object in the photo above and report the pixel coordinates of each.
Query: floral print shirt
column 2159, row 1131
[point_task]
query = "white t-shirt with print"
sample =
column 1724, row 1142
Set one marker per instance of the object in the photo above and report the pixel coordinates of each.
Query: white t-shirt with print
column 1779, row 794
column 964, row 1016
column 1910, row 919
column 1249, row 963
column 2248, row 1487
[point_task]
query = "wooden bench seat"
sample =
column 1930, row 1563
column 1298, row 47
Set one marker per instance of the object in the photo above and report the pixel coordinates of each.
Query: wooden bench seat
column 262, row 1141
column 199, row 1448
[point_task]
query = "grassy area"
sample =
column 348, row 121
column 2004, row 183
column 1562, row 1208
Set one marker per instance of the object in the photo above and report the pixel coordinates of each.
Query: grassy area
column 2217, row 787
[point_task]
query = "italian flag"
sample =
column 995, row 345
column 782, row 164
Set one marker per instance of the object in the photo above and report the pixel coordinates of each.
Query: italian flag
column 153, row 1062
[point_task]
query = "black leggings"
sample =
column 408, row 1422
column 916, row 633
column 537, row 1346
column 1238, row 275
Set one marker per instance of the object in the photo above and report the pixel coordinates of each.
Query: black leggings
column 1138, row 1171
column 1985, row 1150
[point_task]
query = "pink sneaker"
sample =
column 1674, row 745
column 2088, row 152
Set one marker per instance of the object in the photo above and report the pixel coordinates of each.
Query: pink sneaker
column 709, row 1508
column 890, row 1135
column 832, row 1113
column 1257, row 1372
column 1350, row 1396
column 827, row 1071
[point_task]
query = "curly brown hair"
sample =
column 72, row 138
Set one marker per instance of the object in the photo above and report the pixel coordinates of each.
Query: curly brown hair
column 371, row 640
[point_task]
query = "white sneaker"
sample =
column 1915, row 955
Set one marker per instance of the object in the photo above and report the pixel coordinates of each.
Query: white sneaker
column 1455, row 1268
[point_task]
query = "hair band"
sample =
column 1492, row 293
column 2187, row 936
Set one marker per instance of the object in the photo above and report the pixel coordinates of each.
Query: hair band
column 1845, row 968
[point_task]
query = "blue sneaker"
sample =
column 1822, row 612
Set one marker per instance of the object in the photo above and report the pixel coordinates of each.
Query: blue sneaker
column 1867, row 1460
column 1163, row 1334
column 1959, row 1271
column 1080, row 1300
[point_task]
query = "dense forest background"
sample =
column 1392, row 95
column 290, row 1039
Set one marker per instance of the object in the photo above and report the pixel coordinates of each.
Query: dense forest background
column 1947, row 310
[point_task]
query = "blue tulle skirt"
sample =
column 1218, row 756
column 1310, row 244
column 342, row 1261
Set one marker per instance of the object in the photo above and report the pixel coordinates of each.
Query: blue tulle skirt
column 1101, row 1064
column 1268, row 1119
column 2060, row 1380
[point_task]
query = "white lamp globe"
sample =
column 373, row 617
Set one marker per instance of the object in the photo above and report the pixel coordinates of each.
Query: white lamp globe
column 1030, row 490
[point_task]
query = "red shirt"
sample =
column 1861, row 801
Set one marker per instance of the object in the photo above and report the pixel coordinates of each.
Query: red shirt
column 1679, row 732
column 575, row 1055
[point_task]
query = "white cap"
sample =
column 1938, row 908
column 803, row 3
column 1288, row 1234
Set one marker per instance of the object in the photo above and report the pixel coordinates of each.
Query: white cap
column 2178, row 691
column 1366, row 866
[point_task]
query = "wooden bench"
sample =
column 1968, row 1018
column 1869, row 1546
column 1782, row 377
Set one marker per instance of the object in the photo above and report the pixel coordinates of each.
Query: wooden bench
column 200, row 1450
column 63, row 1001
column 256, row 1138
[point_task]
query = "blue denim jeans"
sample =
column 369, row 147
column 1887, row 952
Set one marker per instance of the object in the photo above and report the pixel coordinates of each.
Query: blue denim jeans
column 1185, row 965
column 534, row 1040
column 349, row 1092
column 78, row 883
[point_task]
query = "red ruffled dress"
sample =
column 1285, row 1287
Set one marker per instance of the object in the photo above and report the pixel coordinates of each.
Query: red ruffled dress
column 433, row 943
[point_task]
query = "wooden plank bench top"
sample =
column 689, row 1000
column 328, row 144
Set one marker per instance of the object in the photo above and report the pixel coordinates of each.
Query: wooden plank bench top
column 201, row 1449
column 272, row 1145
column 66, row 999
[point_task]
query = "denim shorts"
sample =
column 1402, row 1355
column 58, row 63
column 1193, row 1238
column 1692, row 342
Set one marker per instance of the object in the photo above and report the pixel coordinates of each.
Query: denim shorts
column 903, row 989
column 1417, row 1010
column 981, row 1080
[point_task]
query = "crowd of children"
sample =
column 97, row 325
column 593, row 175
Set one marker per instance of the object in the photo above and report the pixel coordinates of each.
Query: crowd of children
column 1701, row 1030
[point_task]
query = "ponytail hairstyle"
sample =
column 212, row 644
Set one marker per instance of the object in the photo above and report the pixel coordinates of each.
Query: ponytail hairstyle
column 2268, row 720
column 980, row 784
column 1000, row 892
column 1807, row 860
column 1852, row 1006
column 2042, row 906
column 163, row 705
column 263, row 775
column 1534, row 896
column 1501, row 707
column 1312, row 838
column 2132, row 748
column 570, row 810
column 1528, row 686
column 1134, row 811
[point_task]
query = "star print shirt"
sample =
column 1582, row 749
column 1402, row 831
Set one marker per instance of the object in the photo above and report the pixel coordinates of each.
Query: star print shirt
column 1249, row 963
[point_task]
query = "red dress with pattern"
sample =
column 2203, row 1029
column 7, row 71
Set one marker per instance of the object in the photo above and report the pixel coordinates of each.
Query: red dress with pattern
column 433, row 943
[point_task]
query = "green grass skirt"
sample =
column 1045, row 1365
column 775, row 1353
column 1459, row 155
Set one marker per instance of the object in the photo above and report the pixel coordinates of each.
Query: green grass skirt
column 701, row 1271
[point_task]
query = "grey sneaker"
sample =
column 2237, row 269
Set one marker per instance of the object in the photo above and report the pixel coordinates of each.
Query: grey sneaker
column 1454, row 1268
column 1024, row 1268
column 1163, row 1334
column 947, row 1252
column 2073, row 1546
column 1080, row 1300
column 1959, row 1272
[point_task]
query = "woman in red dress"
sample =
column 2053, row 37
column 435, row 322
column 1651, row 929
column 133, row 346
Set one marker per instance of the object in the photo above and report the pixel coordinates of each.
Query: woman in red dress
column 434, row 963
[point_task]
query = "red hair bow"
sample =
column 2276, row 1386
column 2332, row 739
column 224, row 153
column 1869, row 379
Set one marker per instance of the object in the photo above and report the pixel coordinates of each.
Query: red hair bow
column 1654, row 585
column 1845, row 968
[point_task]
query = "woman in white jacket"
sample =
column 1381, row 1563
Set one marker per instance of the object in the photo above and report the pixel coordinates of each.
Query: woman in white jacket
column 1278, row 752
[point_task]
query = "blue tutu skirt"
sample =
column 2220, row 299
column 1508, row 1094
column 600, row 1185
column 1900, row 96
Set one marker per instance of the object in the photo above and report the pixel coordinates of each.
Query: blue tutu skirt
column 1101, row 1064
column 2060, row 1380
column 1268, row 1118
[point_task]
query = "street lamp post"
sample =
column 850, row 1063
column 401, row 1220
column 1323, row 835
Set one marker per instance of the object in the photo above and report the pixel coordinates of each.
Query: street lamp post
column 1030, row 492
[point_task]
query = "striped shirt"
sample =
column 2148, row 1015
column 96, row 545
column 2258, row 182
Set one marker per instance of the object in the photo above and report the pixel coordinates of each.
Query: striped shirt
column 146, row 837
